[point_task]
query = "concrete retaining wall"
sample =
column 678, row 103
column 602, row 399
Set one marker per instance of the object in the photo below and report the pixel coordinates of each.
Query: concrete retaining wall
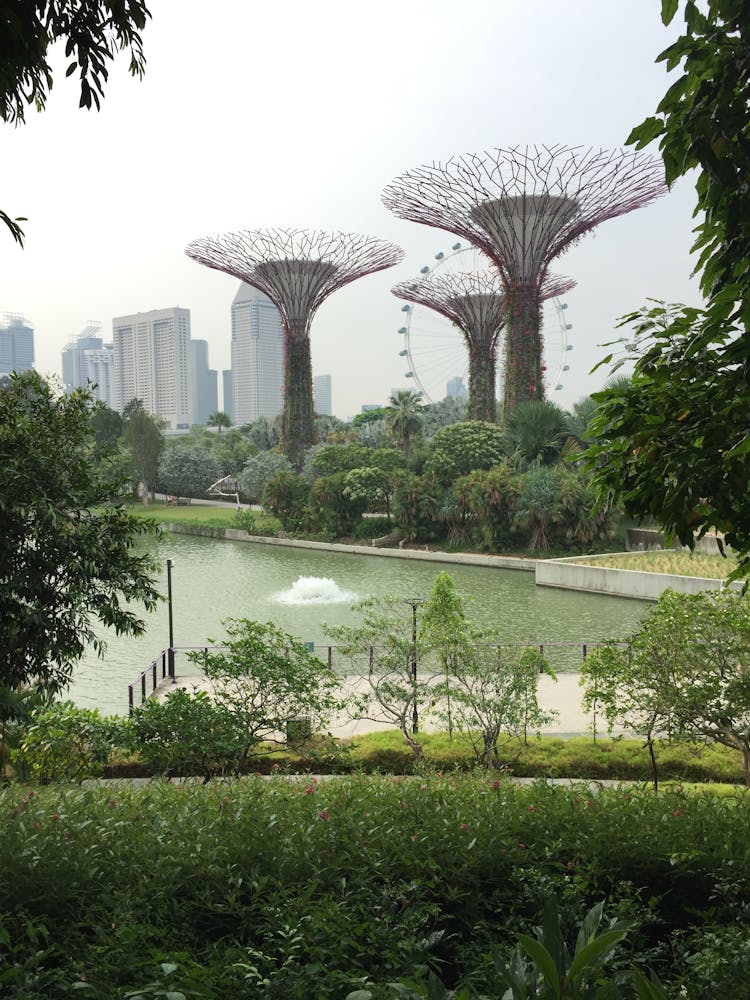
column 569, row 575
column 424, row 555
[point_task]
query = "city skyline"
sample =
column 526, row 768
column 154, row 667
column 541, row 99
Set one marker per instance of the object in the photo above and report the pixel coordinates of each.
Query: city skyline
column 485, row 76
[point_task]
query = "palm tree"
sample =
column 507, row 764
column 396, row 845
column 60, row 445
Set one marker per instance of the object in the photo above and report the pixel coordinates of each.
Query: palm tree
column 403, row 418
column 219, row 419
column 535, row 434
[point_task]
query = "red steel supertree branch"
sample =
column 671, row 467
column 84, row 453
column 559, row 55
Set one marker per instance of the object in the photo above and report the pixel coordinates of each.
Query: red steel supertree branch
column 474, row 302
column 522, row 207
column 297, row 269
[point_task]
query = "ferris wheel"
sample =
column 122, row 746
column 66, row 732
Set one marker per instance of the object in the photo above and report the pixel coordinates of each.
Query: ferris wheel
column 434, row 349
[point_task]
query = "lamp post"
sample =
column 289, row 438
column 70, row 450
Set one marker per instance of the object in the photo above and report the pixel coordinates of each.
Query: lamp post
column 414, row 603
column 170, row 653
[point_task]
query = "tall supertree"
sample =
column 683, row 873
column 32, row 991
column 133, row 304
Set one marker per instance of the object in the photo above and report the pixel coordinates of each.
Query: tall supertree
column 474, row 302
column 297, row 269
column 522, row 207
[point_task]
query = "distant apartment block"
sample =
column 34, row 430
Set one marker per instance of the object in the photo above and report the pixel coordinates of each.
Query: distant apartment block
column 322, row 399
column 16, row 344
column 204, row 383
column 257, row 357
column 88, row 362
column 152, row 362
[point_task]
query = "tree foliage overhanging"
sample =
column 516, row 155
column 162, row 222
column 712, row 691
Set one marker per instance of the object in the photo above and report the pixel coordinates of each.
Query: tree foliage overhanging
column 93, row 32
column 676, row 440
column 67, row 558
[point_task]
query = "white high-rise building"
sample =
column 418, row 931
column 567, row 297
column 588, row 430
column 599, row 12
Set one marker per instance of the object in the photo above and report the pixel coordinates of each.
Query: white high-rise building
column 257, row 356
column 152, row 363
column 322, row 397
column 16, row 344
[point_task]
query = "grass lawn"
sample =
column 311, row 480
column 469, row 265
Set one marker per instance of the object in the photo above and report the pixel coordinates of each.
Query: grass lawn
column 205, row 516
column 672, row 561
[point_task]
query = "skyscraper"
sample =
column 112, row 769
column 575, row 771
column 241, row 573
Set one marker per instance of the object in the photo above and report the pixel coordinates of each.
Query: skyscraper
column 257, row 356
column 227, row 403
column 456, row 388
column 86, row 360
column 152, row 363
column 205, row 388
column 16, row 344
column 322, row 399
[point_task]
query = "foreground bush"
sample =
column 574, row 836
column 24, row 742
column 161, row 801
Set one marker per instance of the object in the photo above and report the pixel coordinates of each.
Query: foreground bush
column 298, row 889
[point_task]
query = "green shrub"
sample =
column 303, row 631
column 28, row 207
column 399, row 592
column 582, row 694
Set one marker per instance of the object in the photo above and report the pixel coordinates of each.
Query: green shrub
column 186, row 734
column 65, row 743
column 372, row 527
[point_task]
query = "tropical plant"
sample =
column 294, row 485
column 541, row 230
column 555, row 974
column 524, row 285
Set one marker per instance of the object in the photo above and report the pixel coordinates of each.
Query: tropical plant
column 458, row 449
column 375, row 487
column 265, row 679
column 539, row 506
column 287, row 495
column 535, row 434
column 338, row 508
column 685, row 673
column 220, row 420
column 93, row 34
column 492, row 496
column 186, row 734
column 258, row 470
column 62, row 742
column 415, row 506
column 143, row 437
column 674, row 446
column 403, row 418
column 186, row 471
column 385, row 654
column 66, row 547
column 328, row 459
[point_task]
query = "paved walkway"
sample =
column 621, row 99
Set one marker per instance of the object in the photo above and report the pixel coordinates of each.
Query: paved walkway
column 562, row 696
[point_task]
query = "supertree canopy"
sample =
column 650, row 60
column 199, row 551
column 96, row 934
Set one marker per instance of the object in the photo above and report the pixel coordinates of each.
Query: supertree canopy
column 474, row 302
column 522, row 207
column 297, row 269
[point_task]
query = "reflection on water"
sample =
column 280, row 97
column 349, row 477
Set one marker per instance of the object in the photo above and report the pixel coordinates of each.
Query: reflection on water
column 214, row 580
column 315, row 590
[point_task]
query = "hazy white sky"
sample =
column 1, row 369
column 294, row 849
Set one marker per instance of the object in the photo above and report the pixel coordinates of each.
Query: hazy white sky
column 298, row 114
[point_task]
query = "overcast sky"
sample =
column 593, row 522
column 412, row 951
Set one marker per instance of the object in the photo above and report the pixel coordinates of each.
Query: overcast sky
column 298, row 114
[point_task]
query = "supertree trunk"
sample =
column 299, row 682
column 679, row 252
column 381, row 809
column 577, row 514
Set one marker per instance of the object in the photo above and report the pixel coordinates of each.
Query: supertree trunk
column 482, row 381
column 524, row 347
column 297, row 417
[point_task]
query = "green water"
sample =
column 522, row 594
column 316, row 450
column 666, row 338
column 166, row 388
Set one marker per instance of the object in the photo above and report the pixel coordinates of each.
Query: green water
column 213, row 580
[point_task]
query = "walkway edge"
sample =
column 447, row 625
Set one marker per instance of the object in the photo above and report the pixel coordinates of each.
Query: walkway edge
column 425, row 555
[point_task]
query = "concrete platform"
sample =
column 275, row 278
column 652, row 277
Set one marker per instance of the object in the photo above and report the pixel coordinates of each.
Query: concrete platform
column 562, row 696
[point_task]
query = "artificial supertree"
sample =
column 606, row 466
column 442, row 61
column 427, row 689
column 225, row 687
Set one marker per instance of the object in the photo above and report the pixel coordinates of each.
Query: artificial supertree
column 475, row 303
column 297, row 269
column 523, row 206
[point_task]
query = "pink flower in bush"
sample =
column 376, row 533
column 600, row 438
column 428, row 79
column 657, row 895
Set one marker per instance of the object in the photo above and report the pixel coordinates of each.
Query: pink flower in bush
column 323, row 814
column 677, row 812
column 495, row 784
column 522, row 846
column 464, row 826
column 310, row 789
column 532, row 809
column 570, row 866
